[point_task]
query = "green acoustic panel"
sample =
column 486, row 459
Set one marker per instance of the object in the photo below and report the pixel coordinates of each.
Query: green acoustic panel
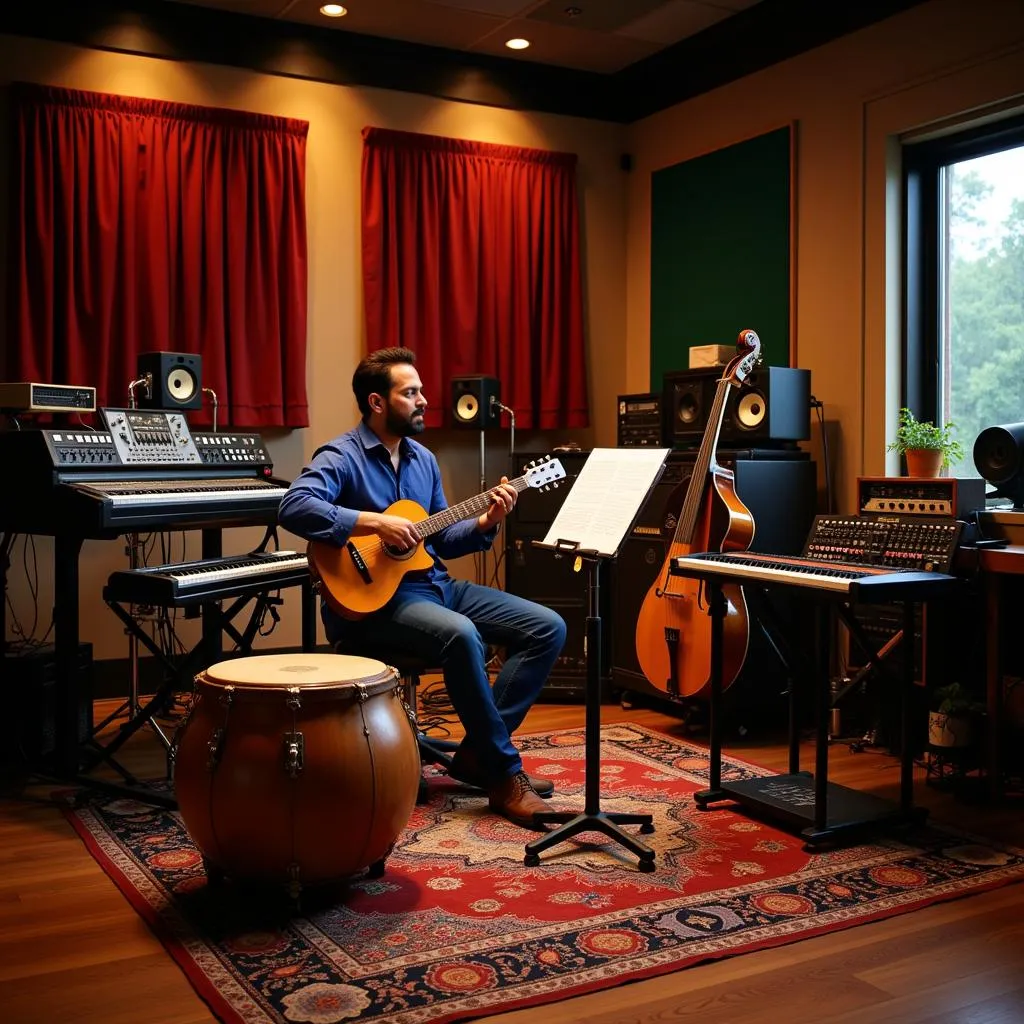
column 720, row 260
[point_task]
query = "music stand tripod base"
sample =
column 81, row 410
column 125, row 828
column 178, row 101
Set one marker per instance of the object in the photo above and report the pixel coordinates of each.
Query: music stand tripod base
column 604, row 822
column 592, row 818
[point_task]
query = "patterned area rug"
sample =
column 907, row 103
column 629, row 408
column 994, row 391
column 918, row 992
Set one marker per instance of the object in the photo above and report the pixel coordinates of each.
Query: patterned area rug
column 458, row 928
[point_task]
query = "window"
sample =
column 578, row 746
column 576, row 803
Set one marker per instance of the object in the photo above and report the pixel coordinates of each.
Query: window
column 964, row 280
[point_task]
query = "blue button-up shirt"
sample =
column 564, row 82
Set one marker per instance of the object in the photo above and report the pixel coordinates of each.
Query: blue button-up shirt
column 353, row 474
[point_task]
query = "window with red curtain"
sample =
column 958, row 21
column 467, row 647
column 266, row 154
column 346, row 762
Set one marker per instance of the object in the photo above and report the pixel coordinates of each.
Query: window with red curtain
column 139, row 225
column 471, row 257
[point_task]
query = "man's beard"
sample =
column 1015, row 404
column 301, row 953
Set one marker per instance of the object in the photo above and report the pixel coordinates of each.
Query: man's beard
column 400, row 426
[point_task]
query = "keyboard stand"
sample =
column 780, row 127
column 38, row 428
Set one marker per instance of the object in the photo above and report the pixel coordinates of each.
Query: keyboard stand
column 180, row 671
column 822, row 812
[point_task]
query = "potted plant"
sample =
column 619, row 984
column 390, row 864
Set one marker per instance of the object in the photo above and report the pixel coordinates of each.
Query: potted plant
column 926, row 447
column 951, row 721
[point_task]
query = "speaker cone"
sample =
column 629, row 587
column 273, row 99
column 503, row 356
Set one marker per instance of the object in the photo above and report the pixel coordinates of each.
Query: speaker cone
column 688, row 409
column 181, row 385
column 750, row 410
column 467, row 407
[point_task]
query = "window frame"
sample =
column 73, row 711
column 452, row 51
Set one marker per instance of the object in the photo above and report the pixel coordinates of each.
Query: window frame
column 925, row 233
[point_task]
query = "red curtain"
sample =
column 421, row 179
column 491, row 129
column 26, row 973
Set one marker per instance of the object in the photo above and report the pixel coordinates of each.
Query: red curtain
column 139, row 225
column 471, row 258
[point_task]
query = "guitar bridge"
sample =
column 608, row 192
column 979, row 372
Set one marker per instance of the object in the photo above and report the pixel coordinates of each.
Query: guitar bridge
column 359, row 562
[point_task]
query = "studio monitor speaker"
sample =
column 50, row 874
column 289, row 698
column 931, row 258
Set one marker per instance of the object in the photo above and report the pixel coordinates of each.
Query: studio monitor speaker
column 177, row 380
column 999, row 458
column 773, row 406
column 474, row 402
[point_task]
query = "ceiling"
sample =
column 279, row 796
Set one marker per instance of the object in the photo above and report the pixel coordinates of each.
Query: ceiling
column 616, row 60
column 587, row 35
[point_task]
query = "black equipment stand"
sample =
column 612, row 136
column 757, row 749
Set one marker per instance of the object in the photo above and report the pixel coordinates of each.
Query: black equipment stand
column 821, row 811
column 592, row 818
column 180, row 670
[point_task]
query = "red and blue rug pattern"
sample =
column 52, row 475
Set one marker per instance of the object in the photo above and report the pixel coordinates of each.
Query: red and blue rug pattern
column 458, row 928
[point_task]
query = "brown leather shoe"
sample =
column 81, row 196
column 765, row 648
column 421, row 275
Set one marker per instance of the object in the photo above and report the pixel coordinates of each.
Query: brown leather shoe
column 465, row 768
column 514, row 798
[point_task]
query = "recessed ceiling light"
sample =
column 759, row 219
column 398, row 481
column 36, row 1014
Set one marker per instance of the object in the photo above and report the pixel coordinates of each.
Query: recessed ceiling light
column 517, row 44
column 334, row 10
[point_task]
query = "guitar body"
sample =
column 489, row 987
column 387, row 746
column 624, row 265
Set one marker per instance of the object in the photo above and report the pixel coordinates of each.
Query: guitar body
column 341, row 579
column 362, row 575
column 673, row 630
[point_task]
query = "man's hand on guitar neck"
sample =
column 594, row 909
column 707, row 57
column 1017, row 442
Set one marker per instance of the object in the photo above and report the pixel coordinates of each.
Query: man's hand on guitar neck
column 396, row 531
column 503, row 500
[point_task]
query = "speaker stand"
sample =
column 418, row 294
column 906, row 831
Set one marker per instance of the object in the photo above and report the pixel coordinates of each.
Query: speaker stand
column 592, row 818
column 481, row 562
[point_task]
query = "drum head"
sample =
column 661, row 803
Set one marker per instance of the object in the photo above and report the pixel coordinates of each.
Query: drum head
column 275, row 671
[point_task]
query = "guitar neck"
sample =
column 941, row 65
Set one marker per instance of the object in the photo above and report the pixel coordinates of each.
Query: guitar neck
column 695, row 492
column 463, row 510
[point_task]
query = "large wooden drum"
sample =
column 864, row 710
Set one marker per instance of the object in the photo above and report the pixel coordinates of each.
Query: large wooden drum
column 296, row 768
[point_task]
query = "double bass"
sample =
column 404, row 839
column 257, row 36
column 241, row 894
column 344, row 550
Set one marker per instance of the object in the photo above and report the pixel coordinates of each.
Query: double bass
column 673, row 631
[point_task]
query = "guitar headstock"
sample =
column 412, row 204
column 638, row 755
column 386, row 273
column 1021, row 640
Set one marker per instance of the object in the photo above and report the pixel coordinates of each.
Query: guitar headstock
column 544, row 473
column 748, row 349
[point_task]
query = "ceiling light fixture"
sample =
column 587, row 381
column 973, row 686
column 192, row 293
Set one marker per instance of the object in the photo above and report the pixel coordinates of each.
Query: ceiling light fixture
column 333, row 10
column 517, row 44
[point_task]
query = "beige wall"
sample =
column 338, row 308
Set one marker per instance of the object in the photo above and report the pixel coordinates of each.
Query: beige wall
column 850, row 101
column 336, row 116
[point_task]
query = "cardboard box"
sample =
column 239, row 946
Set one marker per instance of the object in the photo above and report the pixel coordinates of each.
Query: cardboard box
column 711, row 355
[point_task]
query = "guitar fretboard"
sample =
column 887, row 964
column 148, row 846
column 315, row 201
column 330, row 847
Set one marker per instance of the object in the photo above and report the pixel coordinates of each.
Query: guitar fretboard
column 463, row 510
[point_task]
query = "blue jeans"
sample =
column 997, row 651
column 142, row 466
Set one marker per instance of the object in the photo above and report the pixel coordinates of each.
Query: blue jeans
column 451, row 627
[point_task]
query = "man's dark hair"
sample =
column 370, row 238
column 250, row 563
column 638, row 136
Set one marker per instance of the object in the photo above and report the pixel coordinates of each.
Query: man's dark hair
column 373, row 374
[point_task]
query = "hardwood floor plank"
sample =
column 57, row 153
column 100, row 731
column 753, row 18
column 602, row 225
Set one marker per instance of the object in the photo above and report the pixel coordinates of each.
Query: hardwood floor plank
column 147, row 988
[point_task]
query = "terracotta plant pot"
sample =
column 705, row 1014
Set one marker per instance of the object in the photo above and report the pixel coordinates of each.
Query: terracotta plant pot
column 923, row 461
column 949, row 730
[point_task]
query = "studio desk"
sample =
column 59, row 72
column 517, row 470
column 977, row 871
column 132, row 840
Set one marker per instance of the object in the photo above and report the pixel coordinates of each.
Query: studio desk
column 996, row 568
column 822, row 812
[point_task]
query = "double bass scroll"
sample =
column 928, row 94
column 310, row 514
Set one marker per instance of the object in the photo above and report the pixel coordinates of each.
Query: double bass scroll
column 673, row 630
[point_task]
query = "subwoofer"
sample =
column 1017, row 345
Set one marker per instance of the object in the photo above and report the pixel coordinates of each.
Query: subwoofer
column 773, row 407
column 474, row 402
column 177, row 380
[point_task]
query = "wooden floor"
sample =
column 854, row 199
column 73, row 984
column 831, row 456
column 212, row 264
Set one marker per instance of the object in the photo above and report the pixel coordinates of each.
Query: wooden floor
column 72, row 949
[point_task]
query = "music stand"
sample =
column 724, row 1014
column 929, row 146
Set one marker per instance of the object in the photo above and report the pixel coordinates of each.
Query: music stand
column 596, row 515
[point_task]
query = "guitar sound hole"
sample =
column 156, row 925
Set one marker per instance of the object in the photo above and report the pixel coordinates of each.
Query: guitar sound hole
column 399, row 553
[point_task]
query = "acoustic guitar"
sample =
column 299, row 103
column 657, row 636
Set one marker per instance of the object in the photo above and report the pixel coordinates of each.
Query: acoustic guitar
column 673, row 630
column 362, row 575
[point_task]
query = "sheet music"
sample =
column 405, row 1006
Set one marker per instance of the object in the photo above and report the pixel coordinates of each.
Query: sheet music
column 606, row 497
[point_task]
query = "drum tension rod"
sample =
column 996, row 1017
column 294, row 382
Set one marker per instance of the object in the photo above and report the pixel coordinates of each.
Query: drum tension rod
column 294, row 741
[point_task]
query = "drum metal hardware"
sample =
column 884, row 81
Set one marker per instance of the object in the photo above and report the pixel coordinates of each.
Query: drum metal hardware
column 213, row 749
column 294, row 753
column 294, row 881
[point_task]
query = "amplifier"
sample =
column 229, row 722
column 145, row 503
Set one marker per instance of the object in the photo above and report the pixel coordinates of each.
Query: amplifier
column 939, row 497
column 24, row 396
column 640, row 421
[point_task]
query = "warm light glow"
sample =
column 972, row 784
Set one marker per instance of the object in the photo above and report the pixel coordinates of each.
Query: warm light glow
column 517, row 44
column 334, row 10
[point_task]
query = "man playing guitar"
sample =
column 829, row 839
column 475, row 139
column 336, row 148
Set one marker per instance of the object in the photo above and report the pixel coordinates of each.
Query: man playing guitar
column 345, row 492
